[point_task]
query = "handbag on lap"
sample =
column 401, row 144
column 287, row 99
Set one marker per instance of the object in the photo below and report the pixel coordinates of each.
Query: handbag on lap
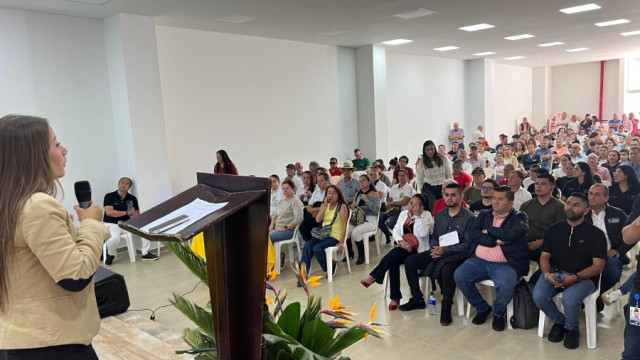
column 322, row 232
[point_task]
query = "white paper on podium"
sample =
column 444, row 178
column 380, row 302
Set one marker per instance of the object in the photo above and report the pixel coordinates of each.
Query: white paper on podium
column 195, row 210
column 449, row 239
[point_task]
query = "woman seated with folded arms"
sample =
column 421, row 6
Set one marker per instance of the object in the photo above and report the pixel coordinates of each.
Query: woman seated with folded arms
column 412, row 230
column 368, row 198
column 288, row 214
column 334, row 212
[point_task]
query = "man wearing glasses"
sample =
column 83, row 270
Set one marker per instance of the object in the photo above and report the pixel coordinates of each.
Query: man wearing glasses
column 334, row 170
column 488, row 186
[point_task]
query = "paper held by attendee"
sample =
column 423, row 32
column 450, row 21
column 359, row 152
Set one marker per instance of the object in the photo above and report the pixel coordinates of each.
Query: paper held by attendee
column 449, row 239
column 190, row 213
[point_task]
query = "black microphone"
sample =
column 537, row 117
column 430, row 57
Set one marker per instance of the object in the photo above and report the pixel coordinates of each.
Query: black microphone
column 83, row 193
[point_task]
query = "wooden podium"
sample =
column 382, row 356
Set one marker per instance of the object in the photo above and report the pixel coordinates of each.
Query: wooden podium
column 235, row 240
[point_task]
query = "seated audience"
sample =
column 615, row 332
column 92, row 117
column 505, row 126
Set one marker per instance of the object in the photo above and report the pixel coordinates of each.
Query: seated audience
column 520, row 195
column 276, row 193
column 287, row 216
column 402, row 164
column 453, row 153
column 380, row 186
column 634, row 159
column 462, row 178
column 476, row 160
column 576, row 153
column 347, row 184
column 555, row 192
column 306, row 190
column 300, row 171
column 624, row 155
column 433, row 170
column 568, row 171
column 224, row 165
column 360, row 162
column 462, row 157
column 485, row 153
column 334, row 170
column 624, row 189
column 440, row 204
column 530, row 158
column 499, row 166
column 559, row 171
column 442, row 150
column 544, row 153
column 291, row 172
column 504, row 141
column 333, row 211
column 498, row 253
column 613, row 160
column 572, row 258
column 610, row 220
column 519, row 151
column 531, row 179
column 313, row 167
column 441, row 262
column 393, row 163
column 592, row 161
column 507, row 171
column 311, row 211
column 582, row 181
column 412, row 231
column 381, row 175
column 456, row 135
column 368, row 199
column 473, row 193
column 615, row 122
column 487, row 189
column 398, row 199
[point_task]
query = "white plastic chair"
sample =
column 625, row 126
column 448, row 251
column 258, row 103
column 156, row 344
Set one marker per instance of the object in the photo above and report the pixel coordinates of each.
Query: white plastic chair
column 426, row 291
column 591, row 315
column 367, row 235
column 130, row 248
column 334, row 249
column 509, row 306
column 290, row 242
column 489, row 173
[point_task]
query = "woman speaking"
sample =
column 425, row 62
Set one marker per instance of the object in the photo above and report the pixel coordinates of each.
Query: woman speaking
column 47, row 302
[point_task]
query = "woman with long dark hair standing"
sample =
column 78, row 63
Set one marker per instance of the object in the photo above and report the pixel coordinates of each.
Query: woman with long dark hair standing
column 224, row 165
column 47, row 300
column 433, row 171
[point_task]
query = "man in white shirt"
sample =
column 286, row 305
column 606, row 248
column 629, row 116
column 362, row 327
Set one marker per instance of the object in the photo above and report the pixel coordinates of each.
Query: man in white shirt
column 574, row 124
column 576, row 154
column 397, row 201
column 299, row 170
column 466, row 166
column 520, row 195
column 476, row 135
column 563, row 121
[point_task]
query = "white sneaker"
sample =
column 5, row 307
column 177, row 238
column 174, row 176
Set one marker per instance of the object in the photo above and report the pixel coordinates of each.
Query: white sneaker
column 611, row 297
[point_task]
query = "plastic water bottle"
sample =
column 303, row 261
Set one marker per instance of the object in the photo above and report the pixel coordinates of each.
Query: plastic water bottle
column 432, row 304
column 559, row 277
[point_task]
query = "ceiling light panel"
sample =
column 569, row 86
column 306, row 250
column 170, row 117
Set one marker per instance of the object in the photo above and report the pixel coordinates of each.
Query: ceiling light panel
column 519, row 37
column 551, row 44
column 629, row 33
column 514, row 58
column 486, row 53
column 580, row 8
column 577, row 49
column 397, row 42
column 477, row 27
column 612, row 22
column 415, row 13
column 447, row 48
column 235, row 18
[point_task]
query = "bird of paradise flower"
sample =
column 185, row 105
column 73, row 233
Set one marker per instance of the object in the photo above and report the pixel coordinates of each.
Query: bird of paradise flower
column 371, row 327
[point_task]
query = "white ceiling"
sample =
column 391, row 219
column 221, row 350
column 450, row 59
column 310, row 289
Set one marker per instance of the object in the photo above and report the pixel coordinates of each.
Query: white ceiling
column 369, row 22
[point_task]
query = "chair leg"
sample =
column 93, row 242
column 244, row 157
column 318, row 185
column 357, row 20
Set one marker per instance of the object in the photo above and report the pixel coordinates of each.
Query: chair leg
column 460, row 300
column 509, row 314
column 541, row 321
column 345, row 255
column 276, row 249
column 299, row 250
column 590, row 316
column 377, row 237
column 104, row 254
column 329, row 254
column 159, row 244
column 365, row 240
column 132, row 250
column 291, row 258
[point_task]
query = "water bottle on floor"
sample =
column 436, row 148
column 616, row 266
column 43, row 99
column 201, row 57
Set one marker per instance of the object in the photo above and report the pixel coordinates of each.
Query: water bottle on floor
column 432, row 304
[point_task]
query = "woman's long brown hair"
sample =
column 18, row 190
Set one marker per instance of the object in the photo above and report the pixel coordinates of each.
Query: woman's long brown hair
column 24, row 170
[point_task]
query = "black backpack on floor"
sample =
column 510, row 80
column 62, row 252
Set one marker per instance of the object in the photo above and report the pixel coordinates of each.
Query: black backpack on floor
column 525, row 311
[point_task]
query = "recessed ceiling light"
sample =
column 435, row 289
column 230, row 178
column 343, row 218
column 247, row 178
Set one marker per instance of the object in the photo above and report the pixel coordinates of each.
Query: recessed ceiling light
column 235, row 18
column 581, row 8
column 90, row 2
column 519, row 37
column 447, row 48
column 514, row 58
column 329, row 32
column 551, row 44
column 477, row 27
column 484, row 53
column 612, row 22
column 629, row 33
column 577, row 49
column 415, row 13
column 397, row 42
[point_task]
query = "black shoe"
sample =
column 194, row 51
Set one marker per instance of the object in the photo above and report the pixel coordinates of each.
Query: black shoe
column 599, row 304
column 498, row 323
column 149, row 257
column 445, row 317
column 572, row 339
column 282, row 264
column 481, row 317
column 556, row 334
column 413, row 304
column 334, row 267
column 109, row 260
column 360, row 246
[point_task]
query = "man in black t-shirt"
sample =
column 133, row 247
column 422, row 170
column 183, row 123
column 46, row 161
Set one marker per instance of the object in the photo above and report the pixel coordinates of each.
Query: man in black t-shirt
column 573, row 256
column 487, row 189
column 121, row 206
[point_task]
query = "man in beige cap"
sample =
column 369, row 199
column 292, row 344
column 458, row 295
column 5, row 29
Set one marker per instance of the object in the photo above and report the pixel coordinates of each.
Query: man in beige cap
column 347, row 184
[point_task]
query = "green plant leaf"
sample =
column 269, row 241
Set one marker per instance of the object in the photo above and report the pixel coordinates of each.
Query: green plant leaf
column 317, row 335
column 200, row 316
column 312, row 312
column 345, row 339
column 193, row 262
column 198, row 340
column 289, row 320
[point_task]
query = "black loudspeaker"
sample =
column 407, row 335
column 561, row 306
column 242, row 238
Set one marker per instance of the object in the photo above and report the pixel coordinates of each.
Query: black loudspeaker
column 111, row 293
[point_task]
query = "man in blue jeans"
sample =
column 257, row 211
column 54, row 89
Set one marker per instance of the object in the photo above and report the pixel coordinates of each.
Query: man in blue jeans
column 631, row 235
column 499, row 253
column 573, row 256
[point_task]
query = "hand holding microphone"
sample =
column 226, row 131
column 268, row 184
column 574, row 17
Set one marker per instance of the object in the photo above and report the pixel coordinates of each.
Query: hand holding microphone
column 87, row 209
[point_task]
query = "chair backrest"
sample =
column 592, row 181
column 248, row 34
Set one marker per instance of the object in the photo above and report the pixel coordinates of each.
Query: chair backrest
column 389, row 174
column 356, row 174
column 335, row 179
column 490, row 173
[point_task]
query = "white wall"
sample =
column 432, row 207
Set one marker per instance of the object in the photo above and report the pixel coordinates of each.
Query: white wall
column 55, row 66
column 267, row 102
column 575, row 88
column 425, row 95
column 512, row 97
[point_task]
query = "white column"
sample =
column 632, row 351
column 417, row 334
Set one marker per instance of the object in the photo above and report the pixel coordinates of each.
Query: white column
column 542, row 96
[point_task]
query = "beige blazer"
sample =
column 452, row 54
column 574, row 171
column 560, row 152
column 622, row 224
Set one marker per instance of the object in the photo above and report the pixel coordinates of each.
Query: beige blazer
column 50, row 249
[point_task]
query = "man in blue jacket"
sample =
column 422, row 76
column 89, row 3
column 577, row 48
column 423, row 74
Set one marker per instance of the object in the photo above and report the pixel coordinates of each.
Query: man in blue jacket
column 498, row 253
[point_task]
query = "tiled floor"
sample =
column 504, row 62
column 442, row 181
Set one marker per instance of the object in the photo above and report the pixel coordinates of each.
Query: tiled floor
column 413, row 335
